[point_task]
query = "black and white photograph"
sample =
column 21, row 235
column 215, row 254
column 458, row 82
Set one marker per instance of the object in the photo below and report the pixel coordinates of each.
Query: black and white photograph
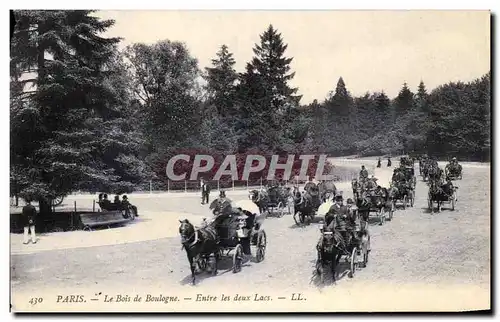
column 250, row 161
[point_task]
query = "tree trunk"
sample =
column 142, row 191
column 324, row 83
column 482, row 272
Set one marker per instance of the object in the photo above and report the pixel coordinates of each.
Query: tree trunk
column 45, row 212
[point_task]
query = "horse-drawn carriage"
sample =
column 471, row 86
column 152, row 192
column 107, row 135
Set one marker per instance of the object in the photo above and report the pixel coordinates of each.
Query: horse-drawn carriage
column 372, row 199
column 232, row 233
column 377, row 201
column 453, row 171
column 335, row 243
column 306, row 203
column 279, row 200
column 272, row 200
column 430, row 170
column 441, row 194
column 402, row 191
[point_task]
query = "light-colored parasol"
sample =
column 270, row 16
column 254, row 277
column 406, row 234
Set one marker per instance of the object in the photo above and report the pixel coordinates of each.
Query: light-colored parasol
column 247, row 205
column 324, row 207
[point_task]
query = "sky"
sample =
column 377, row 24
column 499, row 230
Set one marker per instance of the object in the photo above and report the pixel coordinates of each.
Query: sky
column 371, row 50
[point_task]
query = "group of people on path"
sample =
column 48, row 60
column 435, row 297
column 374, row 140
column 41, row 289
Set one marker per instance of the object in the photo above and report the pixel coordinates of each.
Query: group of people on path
column 389, row 162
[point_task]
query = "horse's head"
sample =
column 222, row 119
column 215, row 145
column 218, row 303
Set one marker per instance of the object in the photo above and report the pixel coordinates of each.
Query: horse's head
column 296, row 192
column 186, row 230
column 253, row 195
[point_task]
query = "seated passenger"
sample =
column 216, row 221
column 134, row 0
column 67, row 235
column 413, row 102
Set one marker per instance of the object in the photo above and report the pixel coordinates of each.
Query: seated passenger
column 105, row 204
column 128, row 206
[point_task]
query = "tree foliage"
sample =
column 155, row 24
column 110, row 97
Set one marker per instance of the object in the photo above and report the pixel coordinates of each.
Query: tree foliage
column 70, row 130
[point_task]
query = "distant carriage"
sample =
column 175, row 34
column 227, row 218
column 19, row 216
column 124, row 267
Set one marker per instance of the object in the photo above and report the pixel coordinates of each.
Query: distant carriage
column 440, row 194
column 453, row 171
column 375, row 201
column 306, row 203
column 402, row 192
column 279, row 200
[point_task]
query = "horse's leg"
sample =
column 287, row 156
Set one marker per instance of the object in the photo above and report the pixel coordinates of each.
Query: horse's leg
column 216, row 264
column 334, row 266
column 193, row 268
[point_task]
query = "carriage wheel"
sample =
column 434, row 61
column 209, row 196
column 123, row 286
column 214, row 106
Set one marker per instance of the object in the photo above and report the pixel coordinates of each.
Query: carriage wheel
column 237, row 258
column 280, row 209
column 404, row 202
column 261, row 246
column 57, row 201
column 354, row 255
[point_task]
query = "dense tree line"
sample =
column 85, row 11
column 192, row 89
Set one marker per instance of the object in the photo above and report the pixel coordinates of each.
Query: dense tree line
column 97, row 118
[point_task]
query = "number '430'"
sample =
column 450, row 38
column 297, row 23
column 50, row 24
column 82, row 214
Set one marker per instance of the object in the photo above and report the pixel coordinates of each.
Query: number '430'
column 35, row 300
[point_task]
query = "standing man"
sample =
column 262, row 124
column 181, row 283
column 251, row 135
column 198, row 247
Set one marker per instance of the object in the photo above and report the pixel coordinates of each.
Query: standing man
column 28, row 217
column 205, row 191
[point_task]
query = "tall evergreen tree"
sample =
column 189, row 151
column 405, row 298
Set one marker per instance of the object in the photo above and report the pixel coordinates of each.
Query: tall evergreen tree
column 421, row 98
column 404, row 102
column 274, row 68
column 221, row 81
column 66, row 134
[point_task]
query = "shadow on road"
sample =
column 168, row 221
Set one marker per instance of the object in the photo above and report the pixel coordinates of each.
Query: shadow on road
column 343, row 269
column 224, row 266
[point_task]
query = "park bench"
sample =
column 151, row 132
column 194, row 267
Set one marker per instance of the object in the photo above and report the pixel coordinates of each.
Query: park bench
column 99, row 219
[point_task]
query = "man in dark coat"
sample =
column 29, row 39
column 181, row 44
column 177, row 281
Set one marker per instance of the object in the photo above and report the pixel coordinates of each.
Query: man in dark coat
column 205, row 192
column 379, row 163
column 363, row 174
column 389, row 163
column 28, row 218
column 125, row 204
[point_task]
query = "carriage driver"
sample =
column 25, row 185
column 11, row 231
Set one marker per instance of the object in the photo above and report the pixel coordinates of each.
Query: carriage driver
column 448, row 187
column 345, row 221
column 363, row 174
column 371, row 184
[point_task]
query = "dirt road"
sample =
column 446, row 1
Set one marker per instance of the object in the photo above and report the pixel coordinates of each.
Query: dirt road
column 418, row 261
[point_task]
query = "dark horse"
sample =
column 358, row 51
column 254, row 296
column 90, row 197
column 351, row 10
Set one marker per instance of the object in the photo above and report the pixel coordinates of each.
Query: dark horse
column 333, row 243
column 329, row 251
column 436, row 194
column 199, row 245
column 303, row 205
column 373, row 201
column 261, row 199
column 356, row 188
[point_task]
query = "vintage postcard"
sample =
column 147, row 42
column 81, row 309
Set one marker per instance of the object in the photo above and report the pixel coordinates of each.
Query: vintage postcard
column 250, row 161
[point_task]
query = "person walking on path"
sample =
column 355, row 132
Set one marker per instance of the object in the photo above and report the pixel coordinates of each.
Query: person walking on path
column 29, row 217
column 205, row 192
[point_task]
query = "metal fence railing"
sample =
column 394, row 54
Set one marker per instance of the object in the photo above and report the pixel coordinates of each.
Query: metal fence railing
column 344, row 170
